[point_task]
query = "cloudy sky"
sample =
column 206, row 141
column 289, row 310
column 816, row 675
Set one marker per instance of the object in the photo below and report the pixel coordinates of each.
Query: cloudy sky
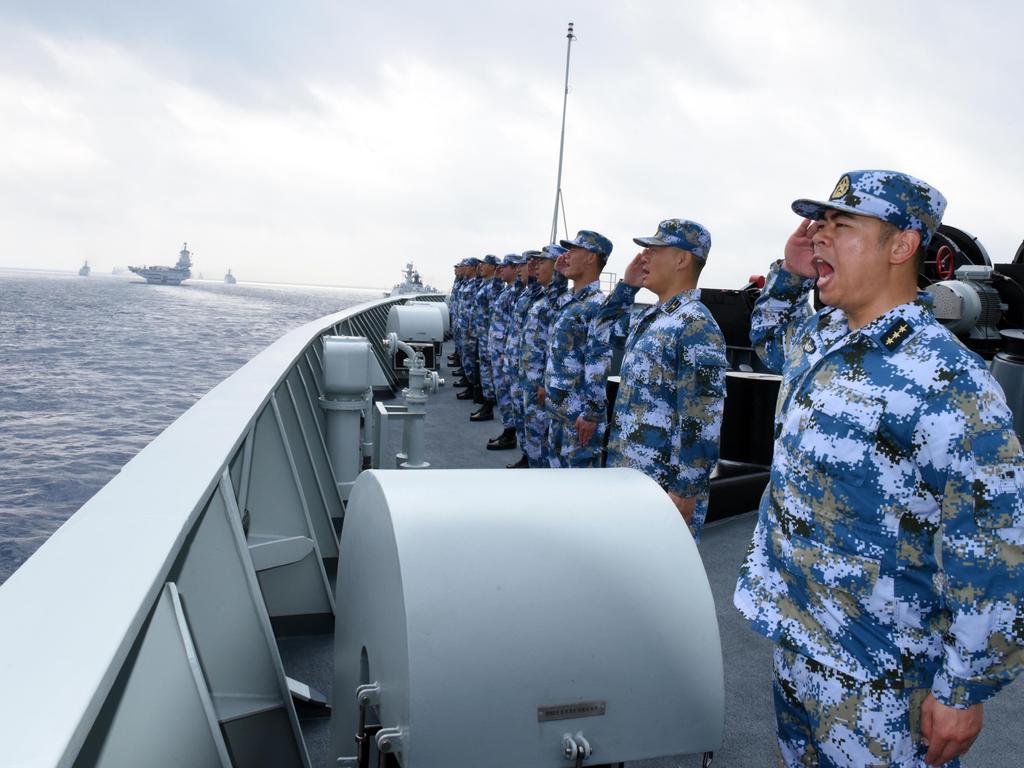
column 329, row 141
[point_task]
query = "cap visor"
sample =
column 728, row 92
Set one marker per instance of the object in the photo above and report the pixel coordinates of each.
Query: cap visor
column 815, row 209
column 567, row 244
column 650, row 242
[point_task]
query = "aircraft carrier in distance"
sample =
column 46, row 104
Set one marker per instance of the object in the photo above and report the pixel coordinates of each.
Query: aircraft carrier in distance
column 168, row 275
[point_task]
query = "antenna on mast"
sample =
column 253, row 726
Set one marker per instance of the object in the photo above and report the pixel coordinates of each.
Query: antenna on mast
column 561, row 144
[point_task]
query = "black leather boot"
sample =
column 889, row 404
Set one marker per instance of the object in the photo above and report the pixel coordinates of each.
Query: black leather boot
column 458, row 371
column 486, row 412
column 462, row 381
column 523, row 463
column 466, row 394
column 478, row 395
column 504, row 441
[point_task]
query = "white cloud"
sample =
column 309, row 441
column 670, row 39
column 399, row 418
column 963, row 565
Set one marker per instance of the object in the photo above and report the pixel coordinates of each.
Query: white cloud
column 335, row 144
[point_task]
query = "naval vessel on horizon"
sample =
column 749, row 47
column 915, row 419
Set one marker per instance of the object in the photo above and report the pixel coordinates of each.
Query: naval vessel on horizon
column 412, row 283
column 160, row 275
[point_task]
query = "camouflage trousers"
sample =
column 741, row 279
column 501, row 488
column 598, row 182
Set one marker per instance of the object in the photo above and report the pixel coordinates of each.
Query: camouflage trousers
column 457, row 340
column 828, row 719
column 564, row 449
column 535, row 427
column 486, row 379
column 518, row 410
column 500, row 383
column 468, row 358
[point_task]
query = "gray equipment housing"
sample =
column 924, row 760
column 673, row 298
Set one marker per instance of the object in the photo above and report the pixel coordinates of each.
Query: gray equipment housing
column 522, row 617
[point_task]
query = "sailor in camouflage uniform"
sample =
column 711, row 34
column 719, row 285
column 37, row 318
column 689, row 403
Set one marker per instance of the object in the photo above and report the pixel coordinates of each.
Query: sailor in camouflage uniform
column 467, row 306
column 578, row 357
column 514, row 349
column 454, row 298
column 490, row 287
column 534, row 352
column 668, row 410
column 501, row 311
column 888, row 558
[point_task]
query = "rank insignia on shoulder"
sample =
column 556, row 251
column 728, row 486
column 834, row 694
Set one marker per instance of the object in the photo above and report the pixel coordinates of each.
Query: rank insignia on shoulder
column 810, row 346
column 673, row 305
column 896, row 334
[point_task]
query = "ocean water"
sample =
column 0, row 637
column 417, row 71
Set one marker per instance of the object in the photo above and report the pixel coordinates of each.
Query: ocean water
column 92, row 369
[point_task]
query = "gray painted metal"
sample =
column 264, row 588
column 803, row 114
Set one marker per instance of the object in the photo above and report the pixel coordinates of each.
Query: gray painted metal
column 415, row 323
column 348, row 396
column 596, row 593
column 92, row 617
column 441, row 308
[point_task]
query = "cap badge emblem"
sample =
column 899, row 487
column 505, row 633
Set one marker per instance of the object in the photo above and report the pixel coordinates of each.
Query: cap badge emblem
column 842, row 187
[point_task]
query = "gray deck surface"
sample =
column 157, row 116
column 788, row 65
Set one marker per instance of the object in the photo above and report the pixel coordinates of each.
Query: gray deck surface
column 453, row 442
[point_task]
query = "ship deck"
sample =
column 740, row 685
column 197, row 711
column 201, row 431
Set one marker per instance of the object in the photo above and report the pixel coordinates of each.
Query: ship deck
column 454, row 442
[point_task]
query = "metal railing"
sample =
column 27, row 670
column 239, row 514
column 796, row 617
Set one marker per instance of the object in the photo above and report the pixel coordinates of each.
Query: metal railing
column 142, row 632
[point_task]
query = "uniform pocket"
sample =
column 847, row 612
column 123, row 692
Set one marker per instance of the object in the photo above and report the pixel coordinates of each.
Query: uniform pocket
column 839, row 433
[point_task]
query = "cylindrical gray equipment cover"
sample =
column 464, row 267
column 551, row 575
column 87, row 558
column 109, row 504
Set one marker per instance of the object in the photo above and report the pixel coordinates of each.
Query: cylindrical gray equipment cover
column 439, row 307
column 415, row 323
column 477, row 598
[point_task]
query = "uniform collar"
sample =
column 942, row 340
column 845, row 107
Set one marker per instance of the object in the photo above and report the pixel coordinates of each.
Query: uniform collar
column 591, row 287
column 681, row 298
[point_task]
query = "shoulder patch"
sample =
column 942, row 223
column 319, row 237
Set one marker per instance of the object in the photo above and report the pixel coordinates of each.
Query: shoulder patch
column 896, row 334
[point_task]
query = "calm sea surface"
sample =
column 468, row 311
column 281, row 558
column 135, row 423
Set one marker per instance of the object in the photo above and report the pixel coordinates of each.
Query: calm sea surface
column 92, row 369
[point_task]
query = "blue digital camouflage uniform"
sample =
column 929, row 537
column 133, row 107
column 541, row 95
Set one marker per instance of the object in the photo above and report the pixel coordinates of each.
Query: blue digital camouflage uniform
column 575, row 375
column 888, row 557
column 514, row 352
column 889, row 547
column 668, row 410
column 500, row 317
column 453, row 312
column 467, row 305
column 534, row 357
column 483, row 303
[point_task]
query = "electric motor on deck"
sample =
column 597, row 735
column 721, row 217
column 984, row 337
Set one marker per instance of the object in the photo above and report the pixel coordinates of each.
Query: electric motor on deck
column 522, row 619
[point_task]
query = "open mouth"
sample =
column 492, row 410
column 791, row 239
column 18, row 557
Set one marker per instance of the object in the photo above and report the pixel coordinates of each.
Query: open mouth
column 825, row 272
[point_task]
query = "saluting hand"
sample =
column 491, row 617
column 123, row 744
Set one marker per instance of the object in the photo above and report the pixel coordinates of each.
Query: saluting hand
column 800, row 250
column 948, row 732
column 634, row 274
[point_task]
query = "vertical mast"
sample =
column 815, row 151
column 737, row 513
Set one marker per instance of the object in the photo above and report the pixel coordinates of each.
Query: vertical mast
column 561, row 143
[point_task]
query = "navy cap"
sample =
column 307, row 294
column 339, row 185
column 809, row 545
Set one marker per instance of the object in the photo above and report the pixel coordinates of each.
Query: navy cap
column 492, row 260
column 472, row 261
column 590, row 241
column 551, row 252
column 891, row 196
column 680, row 233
